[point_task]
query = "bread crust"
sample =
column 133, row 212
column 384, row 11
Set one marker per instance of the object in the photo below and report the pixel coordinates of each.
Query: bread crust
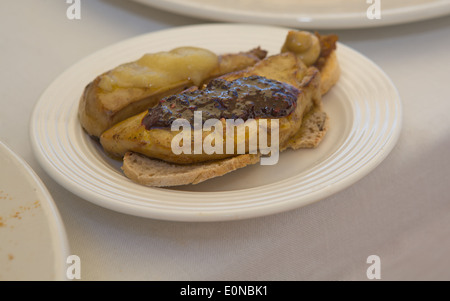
column 330, row 73
column 153, row 172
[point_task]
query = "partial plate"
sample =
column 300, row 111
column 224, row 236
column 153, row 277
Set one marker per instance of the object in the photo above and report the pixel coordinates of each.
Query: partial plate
column 307, row 14
column 33, row 243
column 364, row 108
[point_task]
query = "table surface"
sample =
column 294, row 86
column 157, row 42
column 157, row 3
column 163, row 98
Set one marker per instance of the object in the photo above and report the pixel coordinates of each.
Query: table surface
column 399, row 212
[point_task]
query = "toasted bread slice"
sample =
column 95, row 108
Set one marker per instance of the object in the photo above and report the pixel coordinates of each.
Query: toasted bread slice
column 329, row 73
column 153, row 172
column 157, row 173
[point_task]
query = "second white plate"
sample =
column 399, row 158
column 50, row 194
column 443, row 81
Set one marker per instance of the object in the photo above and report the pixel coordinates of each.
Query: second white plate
column 364, row 108
column 33, row 241
column 308, row 14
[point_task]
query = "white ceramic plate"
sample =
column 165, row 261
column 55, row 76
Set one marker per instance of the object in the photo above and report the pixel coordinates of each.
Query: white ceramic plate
column 308, row 14
column 364, row 108
column 33, row 243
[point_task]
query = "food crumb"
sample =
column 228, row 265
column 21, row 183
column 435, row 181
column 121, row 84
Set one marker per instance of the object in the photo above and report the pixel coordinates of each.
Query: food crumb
column 10, row 256
column 5, row 196
column 16, row 215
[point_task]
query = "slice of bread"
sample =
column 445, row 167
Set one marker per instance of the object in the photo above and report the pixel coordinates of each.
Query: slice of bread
column 314, row 127
column 329, row 73
column 153, row 172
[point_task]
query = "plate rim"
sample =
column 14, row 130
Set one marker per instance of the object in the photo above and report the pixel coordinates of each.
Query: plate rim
column 209, row 216
column 59, row 238
column 315, row 21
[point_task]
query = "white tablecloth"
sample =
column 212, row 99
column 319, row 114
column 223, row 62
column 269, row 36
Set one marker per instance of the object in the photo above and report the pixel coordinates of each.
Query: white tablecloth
column 399, row 212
